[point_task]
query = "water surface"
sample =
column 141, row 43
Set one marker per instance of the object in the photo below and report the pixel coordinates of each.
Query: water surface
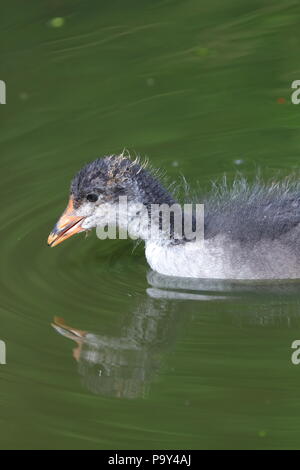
column 102, row 353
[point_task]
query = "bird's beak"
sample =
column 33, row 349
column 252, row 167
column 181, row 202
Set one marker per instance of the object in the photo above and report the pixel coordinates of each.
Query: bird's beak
column 67, row 226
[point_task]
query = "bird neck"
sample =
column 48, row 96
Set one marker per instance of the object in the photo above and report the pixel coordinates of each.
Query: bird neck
column 161, row 224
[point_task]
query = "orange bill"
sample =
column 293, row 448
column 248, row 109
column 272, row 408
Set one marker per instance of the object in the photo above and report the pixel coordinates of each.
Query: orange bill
column 67, row 226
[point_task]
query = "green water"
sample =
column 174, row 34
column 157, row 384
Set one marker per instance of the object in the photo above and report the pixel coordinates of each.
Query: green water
column 166, row 364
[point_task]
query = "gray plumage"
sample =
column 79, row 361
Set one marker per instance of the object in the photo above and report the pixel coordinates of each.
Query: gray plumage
column 251, row 230
column 115, row 176
column 252, row 212
column 242, row 211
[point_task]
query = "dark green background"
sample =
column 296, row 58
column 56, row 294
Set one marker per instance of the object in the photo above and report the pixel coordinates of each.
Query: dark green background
column 192, row 85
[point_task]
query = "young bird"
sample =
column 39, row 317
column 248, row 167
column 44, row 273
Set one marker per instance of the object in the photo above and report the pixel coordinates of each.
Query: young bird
column 251, row 231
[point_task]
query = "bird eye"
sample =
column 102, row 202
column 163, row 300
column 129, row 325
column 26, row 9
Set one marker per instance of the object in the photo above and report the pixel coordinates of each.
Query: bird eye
column 92, row 197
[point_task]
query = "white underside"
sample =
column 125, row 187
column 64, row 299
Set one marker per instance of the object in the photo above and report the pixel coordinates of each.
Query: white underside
column 219, row 258
column 216, row 258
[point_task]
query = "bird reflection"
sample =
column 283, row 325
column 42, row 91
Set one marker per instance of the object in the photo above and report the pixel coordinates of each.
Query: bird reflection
column 126, row 366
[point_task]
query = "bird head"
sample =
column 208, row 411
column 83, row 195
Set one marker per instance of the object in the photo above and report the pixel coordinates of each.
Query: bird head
column 95, row 194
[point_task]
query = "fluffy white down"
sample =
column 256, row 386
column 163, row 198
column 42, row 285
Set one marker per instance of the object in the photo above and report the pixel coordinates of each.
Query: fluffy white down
column 216, row 258
column 222, row 259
